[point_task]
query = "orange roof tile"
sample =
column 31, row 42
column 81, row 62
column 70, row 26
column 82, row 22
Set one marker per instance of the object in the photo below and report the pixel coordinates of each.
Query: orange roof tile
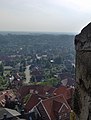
column 53, row 104
column 9, row 93
column 33, row 101
column 66, row 91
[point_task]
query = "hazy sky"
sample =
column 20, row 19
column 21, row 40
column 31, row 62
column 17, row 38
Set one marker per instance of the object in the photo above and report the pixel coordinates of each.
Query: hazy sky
column 44, row 15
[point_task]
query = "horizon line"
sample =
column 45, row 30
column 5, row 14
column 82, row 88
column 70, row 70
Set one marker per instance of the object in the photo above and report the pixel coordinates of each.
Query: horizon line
column 39, row 32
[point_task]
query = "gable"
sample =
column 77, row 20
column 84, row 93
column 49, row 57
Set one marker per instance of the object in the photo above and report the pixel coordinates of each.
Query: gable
column 42, row 111
column 64, row 108
column 64, row 112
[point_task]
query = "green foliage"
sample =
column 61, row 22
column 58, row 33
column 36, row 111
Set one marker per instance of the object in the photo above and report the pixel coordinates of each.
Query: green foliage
column 2, row 81
column 53, row 81
column 26, row 98
column 37, row 42
column 47, row 64
column 1, row 69
column 58, row 60
column 50, row 82
column 23, row 62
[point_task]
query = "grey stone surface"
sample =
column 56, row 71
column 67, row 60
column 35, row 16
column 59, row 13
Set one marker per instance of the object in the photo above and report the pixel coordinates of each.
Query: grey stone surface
column 83, row 40
column 83, row 70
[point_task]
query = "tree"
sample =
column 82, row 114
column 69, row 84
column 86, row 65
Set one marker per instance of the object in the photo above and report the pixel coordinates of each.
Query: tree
column 2, row 81
column 53, row 81
column 1, row 69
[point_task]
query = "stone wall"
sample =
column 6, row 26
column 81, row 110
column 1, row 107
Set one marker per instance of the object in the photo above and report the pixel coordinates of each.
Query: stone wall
column 83, row 71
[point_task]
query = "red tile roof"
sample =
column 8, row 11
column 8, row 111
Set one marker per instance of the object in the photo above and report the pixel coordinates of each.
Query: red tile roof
column 40, row 89
column 33, row 101
column 66, row 91
column 9, row 93
column 24, row 90
column 42, row 111
column 52, row 105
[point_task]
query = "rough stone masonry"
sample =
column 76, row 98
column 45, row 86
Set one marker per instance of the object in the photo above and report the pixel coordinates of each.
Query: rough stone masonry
column 83, row 72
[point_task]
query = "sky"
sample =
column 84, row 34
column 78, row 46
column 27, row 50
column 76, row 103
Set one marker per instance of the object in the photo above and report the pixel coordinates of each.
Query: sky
column 44, row 15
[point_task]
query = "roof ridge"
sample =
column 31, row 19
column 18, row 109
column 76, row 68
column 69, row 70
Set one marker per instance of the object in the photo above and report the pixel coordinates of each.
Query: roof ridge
column 53, row 97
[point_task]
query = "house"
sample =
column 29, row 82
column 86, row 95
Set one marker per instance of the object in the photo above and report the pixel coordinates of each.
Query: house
column 8, row 114
column 67, row 79
column 53, row 108
column 48, row 103
column 16, row 80
column 37, row 74
column 40, row 89
column 33, row 100
column 9, row 94
column 66, row 91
